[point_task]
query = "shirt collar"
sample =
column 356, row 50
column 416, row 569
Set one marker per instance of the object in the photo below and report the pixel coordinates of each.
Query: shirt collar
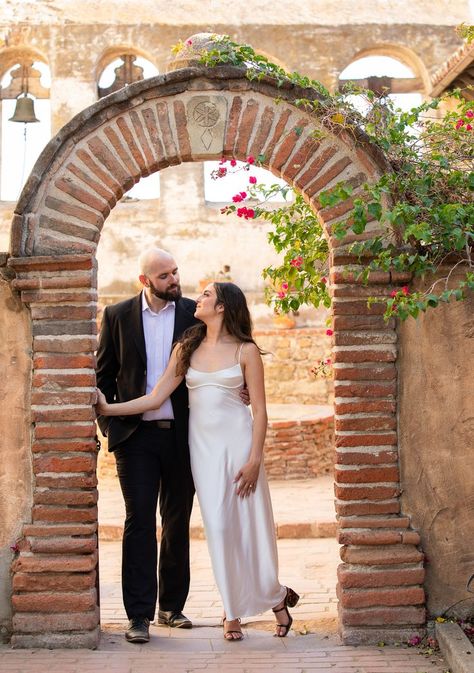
column 145, row 306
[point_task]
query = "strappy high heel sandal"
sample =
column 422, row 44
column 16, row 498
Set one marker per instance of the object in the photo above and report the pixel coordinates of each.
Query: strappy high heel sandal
column 291, row 600
column 231, row 639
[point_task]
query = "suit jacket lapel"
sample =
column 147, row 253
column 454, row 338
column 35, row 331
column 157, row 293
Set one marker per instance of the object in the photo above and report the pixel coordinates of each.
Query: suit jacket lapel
column 181, row 321
column 136, row 326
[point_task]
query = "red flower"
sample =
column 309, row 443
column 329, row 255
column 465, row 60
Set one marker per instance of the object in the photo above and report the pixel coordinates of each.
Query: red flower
column 237, row 198
column 297, row 262
column 247, row 213
column 327, row 361
column 281, row 295
column 468, row 127
column 284, row 286
column 223, row 160
column 470, row 114
column 222, row 172
column 324, row 280
column 250, row 160
column 329, row 332
column 253, row 180
column 189, row 42
column 393, row 293
column 459, row 123
column 243, row 194
column 233, row 162
column 405, row 290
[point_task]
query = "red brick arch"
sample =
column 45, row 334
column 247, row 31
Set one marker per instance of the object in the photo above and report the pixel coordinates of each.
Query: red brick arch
column 191, row 115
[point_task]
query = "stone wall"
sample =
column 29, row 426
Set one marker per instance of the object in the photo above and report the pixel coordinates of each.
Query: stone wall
column 291, row 355
column 436, row 431
column 15, row 454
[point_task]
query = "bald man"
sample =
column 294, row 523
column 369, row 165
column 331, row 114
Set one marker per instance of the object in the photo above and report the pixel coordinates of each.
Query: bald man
column 151, row 451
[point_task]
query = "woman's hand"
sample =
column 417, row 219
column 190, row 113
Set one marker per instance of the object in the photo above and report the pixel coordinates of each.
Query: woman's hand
column 101, row 406
column 246, row 478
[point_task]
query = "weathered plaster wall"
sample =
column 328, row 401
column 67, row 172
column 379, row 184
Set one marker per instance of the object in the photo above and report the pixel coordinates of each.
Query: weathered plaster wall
column 436, row 435
column 15, row 454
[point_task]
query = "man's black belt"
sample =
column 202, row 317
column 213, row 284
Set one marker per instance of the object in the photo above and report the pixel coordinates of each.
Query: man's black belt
column 162, row 424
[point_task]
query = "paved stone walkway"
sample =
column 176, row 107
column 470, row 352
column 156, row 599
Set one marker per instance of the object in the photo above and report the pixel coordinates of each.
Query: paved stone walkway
column 308, row 565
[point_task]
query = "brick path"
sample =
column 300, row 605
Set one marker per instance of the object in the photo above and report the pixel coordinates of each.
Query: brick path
column 309, row 565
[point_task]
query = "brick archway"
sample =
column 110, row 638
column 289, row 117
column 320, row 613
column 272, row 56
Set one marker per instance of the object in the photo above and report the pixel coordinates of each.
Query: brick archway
column 194, row 114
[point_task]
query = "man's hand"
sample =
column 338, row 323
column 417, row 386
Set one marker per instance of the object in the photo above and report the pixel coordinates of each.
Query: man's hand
column 244, row 395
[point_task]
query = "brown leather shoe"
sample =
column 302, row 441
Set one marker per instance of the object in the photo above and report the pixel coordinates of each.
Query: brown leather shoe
column 138, row 630
column 174, row 619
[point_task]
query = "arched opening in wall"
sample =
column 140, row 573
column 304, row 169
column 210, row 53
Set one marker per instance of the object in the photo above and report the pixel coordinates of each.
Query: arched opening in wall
column 385, row 75
column 210, row 246
column 115, row 72
column 25, row 121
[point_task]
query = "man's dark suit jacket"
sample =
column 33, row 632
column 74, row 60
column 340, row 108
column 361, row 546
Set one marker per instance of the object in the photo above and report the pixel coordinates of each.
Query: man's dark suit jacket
column 121, row 366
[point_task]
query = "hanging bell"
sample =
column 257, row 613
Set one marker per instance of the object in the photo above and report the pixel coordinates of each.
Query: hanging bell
column 24, row 111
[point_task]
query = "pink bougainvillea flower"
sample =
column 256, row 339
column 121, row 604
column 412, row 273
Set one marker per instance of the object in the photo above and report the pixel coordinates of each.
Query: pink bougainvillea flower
column 223, row 160
column 405, row 290
column 222, row 172
column 237, row 198
column 247, row 213
column 281, row 295
column 284, row 286
column 468, row 127
column 253, row 180
column 329, row 332
column 250, row 159
column 393, row 293
column 327, row 361
column 470, row 114
column 324, row 280
column 233, row 162
column 459, row 123
column 243, row 194
column 297, row 262
column 189, row 42
column 414, row 641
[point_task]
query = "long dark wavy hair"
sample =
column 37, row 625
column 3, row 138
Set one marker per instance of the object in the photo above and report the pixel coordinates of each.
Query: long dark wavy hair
column 237, row 322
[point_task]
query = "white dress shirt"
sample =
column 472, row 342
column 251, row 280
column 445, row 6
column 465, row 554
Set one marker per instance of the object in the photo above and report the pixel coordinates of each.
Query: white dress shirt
column 158, row 329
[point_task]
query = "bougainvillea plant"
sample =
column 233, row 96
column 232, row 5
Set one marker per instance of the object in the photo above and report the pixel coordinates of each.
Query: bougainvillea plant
column 424, row 202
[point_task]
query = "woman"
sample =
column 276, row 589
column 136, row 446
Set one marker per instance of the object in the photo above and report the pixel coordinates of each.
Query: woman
column 226, row 449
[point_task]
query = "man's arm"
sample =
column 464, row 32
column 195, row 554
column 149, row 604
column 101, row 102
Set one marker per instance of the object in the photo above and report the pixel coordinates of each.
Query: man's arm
column 107, row 367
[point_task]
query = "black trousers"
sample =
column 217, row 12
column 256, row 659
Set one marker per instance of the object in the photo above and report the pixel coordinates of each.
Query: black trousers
column 151, row 465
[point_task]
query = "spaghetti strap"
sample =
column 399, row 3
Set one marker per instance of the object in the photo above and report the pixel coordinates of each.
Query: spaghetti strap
column 240, row 352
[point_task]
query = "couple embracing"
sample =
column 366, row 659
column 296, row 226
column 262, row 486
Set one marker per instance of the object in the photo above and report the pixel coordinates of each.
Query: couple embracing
column 160, row 353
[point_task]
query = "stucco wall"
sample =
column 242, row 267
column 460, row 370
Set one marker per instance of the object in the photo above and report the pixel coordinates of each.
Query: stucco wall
column 15, row 455
column 436, row 435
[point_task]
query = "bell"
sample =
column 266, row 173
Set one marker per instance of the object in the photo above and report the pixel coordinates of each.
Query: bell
column 24, row 111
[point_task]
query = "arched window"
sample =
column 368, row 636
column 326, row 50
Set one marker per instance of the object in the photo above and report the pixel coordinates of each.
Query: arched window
column 25, row 122
column 381, row 74
column 120, row 72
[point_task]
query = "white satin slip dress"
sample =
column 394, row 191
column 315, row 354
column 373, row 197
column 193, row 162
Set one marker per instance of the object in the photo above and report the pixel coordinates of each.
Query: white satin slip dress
column 240, row 532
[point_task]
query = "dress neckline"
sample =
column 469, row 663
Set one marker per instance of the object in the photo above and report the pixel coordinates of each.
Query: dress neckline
column 214, row 371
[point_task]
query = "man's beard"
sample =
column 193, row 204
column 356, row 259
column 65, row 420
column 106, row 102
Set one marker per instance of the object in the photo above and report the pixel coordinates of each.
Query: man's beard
column 172, row 294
